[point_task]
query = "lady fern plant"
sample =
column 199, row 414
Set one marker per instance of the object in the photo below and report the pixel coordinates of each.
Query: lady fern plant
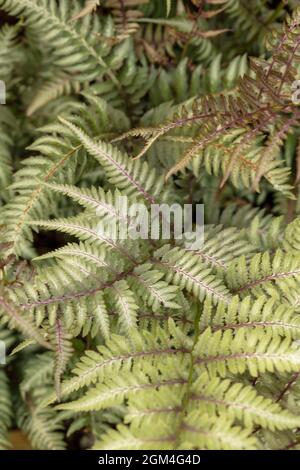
column 141, row 343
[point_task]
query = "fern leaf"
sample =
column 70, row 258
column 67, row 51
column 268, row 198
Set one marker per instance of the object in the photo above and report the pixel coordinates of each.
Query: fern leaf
column 24, row 324
column 63, row 351
column 42, row 429
column 125, row 304
column 183, row 269
column 258, row 352
column 276, row 276
column 149, row 286
column 121, row 171
column 5, row 411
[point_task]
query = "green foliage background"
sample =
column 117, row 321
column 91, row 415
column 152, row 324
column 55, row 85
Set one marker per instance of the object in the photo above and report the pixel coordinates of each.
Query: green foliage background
column 143, row 344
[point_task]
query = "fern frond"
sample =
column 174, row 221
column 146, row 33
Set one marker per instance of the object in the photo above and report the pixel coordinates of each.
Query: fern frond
column 258, row 352
column 25, row 324
column 44, row 432
column 172, row 346
column 5, row 411
column 291, row 239
column 120, row 170
column 125, row 303
column 71, row 48
column 223, row 396
column 33, row 200
column 104, row 203
column 92, row 253
column 251, row 20
column 259, row 98
column 211, row 435
column 9, row 51
column 215, row 434
column 222, row 245
column 247, row 314
column 63, row 352
column 275, row 275
column 152, row 289
column 52, row 90
column 84, row 230
column 116, row 353
column 184, row 269
column 38, row 370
